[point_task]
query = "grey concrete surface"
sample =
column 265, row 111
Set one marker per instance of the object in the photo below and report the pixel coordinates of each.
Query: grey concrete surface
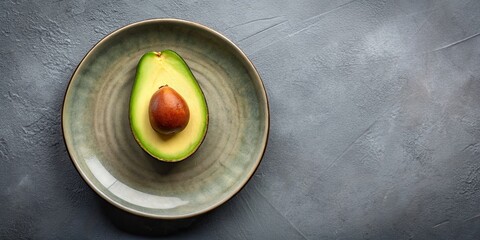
column 375, row 125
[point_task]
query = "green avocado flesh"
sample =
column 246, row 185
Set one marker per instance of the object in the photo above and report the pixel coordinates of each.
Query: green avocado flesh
column 154, row 70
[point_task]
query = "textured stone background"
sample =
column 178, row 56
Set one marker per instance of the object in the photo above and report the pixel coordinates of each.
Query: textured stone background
column 375, row 124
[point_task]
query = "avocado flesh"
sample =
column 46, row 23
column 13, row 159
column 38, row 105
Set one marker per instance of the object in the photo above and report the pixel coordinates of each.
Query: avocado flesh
column 156, row 69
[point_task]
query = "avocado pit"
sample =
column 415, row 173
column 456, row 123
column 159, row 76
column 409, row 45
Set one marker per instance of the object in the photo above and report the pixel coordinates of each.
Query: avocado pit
column 168, row 111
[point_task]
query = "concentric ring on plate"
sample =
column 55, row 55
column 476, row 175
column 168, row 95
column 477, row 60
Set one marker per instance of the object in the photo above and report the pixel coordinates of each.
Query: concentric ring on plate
column 97, row 134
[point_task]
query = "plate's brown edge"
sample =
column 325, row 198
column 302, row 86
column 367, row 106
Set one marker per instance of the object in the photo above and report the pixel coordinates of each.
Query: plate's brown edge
column 167, row 217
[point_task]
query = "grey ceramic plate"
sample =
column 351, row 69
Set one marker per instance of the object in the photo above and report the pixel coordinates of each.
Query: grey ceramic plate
column 97, row 133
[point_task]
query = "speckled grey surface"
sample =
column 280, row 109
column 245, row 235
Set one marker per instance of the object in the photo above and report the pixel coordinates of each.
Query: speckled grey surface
column 375, row 123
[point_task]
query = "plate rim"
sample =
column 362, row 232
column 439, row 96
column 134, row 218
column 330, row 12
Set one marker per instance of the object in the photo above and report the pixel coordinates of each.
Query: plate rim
column 265, row 136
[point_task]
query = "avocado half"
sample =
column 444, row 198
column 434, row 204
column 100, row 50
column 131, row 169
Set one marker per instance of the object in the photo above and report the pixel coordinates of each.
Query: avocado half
column 156, row 69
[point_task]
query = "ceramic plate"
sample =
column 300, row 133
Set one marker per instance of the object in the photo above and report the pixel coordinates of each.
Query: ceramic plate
column 101, row 145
